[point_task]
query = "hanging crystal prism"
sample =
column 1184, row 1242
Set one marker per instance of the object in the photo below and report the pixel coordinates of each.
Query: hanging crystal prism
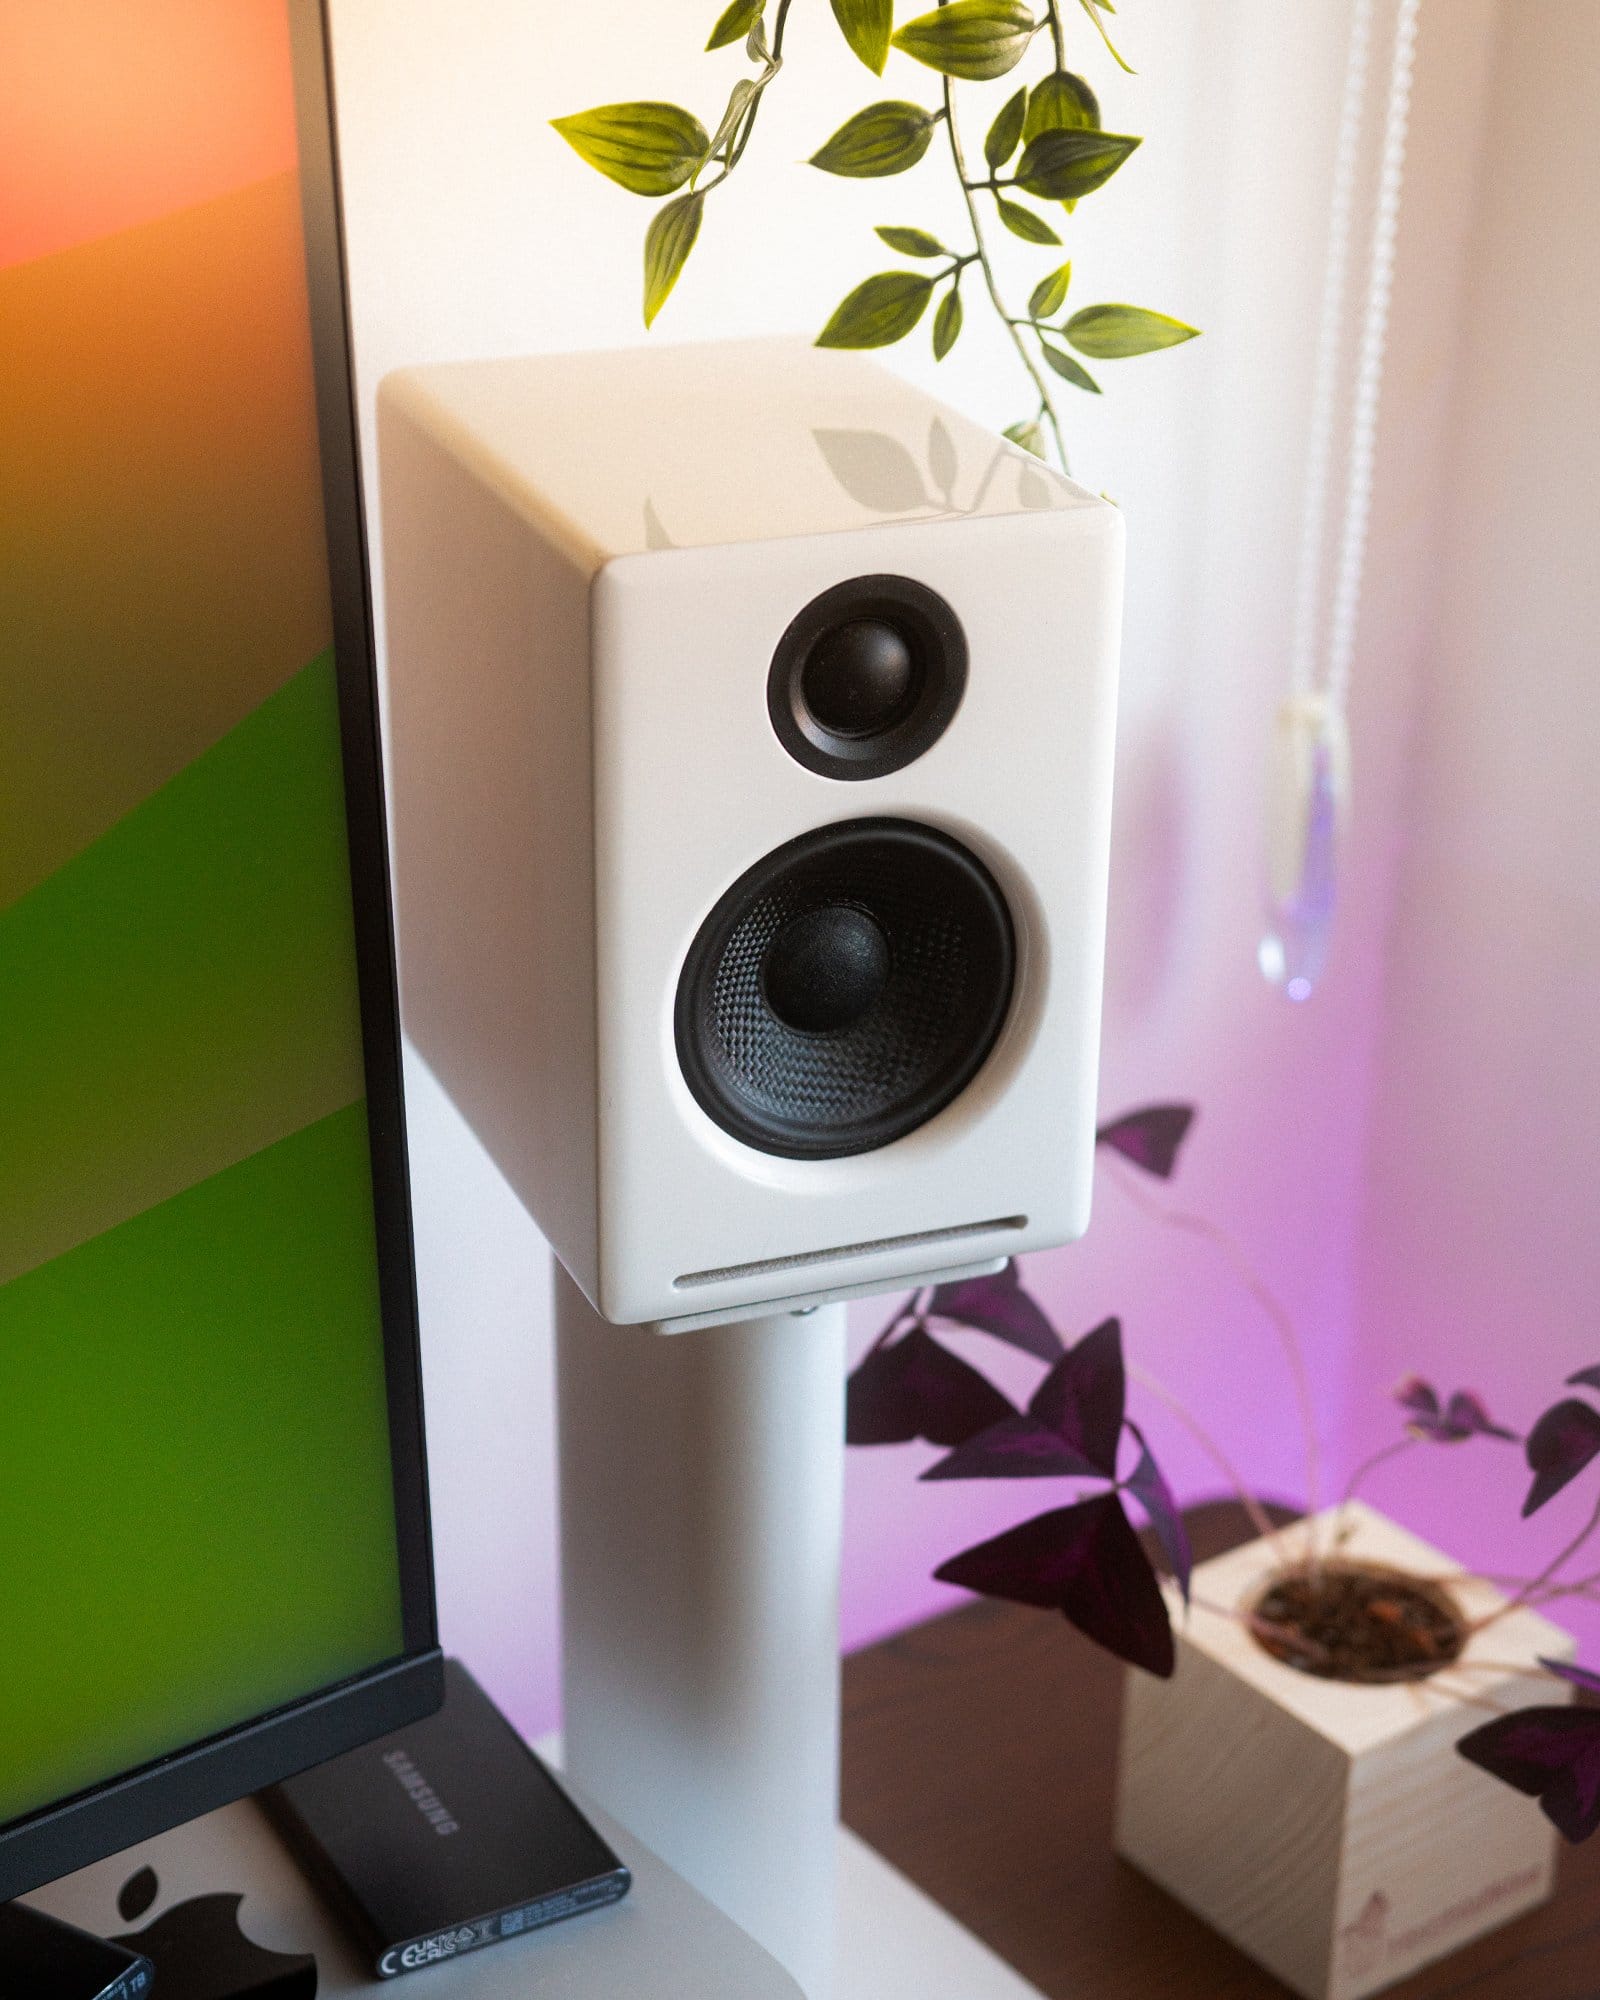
column 1308, row 798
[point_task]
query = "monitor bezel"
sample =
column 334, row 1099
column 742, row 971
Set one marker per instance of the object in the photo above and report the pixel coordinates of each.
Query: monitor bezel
column 138, row 1804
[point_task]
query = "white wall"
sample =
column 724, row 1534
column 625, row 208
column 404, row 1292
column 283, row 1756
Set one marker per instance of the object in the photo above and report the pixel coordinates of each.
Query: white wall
column 1483, row 1252
column 473, row 230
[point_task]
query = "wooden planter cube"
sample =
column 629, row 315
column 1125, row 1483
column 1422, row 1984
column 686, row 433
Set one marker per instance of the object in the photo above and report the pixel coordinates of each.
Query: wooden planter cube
column 1329, row 1830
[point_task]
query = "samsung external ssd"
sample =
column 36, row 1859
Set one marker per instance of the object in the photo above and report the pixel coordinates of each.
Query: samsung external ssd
column 444, row 1837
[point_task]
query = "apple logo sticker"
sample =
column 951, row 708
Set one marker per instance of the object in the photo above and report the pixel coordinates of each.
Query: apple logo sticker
column 200, row 1953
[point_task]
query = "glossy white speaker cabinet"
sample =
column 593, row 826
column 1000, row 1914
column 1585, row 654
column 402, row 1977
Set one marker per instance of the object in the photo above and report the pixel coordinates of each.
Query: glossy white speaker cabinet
column 592, row 562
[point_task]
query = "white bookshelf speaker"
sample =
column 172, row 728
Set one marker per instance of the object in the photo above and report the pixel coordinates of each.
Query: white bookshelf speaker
column 752, row 721
column 753, row 741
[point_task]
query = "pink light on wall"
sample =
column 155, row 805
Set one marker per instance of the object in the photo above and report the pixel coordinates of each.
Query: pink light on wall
column 1480, row 1247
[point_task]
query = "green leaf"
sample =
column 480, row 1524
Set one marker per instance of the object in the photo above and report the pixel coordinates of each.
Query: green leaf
column 1062, row 103
column 912, row 242
column 976, row 40
column 646, row 148
column 1023, row 222
column 1068, row 369
column 867, row 25
column 947, row 323
column 884, row 139
column 1061, row 166
column 879, row 312
column 667, row 244
column 1028, row 435
column 1050, row 294
column 1113, row 333
column 1006, row 131
column 1094, row 9
column 736, row 19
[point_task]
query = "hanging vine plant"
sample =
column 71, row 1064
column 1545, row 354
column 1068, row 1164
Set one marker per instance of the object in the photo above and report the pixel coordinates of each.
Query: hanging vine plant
column 1045, row 150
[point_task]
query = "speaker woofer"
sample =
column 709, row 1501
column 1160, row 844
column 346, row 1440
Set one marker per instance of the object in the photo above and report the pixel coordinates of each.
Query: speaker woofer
column 845, row 989
column 867, row 677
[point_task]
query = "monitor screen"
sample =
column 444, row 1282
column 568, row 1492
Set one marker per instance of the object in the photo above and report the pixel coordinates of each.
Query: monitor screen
column 211, row 1501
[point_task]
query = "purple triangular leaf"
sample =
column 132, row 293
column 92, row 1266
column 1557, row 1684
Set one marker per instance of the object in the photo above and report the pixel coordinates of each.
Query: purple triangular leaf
column 1552, row 1754
column 1560, row 1445
column 1151, row 1138
column 1086, row 1562
column 1149, row 1487
column 1465, row 1416
column 1018, row 1447
column 998, row 1305
column 1083, row 1397
column 1586, row 1378
column 1419, row 1399
column 1569, row 1670
column 916, row 1388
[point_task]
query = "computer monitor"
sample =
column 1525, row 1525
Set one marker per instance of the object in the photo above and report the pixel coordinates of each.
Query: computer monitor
column 214, row 1564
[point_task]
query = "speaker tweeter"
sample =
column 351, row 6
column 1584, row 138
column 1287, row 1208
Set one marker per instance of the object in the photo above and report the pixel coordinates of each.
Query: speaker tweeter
column 867, row 677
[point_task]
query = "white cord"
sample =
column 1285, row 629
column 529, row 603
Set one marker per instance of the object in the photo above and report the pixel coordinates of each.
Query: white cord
column 1325, row 381
column 1369, row 368
column 1334, row 678
column 1308, row 796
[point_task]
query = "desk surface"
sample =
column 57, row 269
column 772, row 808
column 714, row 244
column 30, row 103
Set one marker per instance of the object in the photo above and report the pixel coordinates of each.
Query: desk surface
column 980, row 1758
column 661, row 1942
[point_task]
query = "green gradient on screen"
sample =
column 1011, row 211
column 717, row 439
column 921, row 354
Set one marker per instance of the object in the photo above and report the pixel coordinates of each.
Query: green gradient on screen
column 183, row 991
column 194, row 1468
column 197, row 1496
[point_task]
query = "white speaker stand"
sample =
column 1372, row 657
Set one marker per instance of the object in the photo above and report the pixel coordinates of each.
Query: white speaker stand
column 702, row 1485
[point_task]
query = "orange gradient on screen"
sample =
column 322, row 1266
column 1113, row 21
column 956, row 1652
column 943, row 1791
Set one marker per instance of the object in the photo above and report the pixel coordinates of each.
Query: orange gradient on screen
column 114, row 112
column 164, row 562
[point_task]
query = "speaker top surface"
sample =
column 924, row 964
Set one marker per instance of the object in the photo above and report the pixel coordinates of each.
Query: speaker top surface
column 717, row 444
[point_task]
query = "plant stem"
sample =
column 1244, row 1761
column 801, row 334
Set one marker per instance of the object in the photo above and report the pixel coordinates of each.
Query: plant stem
column 1057, row 37
column 1260, row 1519
column 777, row 30
column 909, row 1310
column 1545, row 1575
column 1577, row 1586
column 743, row 140
column 1371, row 1465
column 1283, row 1325
column 1047, row 408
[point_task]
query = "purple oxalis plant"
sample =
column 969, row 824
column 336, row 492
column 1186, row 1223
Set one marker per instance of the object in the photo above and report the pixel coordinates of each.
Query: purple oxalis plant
column 1553, row 1754
column 1086, row 1560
